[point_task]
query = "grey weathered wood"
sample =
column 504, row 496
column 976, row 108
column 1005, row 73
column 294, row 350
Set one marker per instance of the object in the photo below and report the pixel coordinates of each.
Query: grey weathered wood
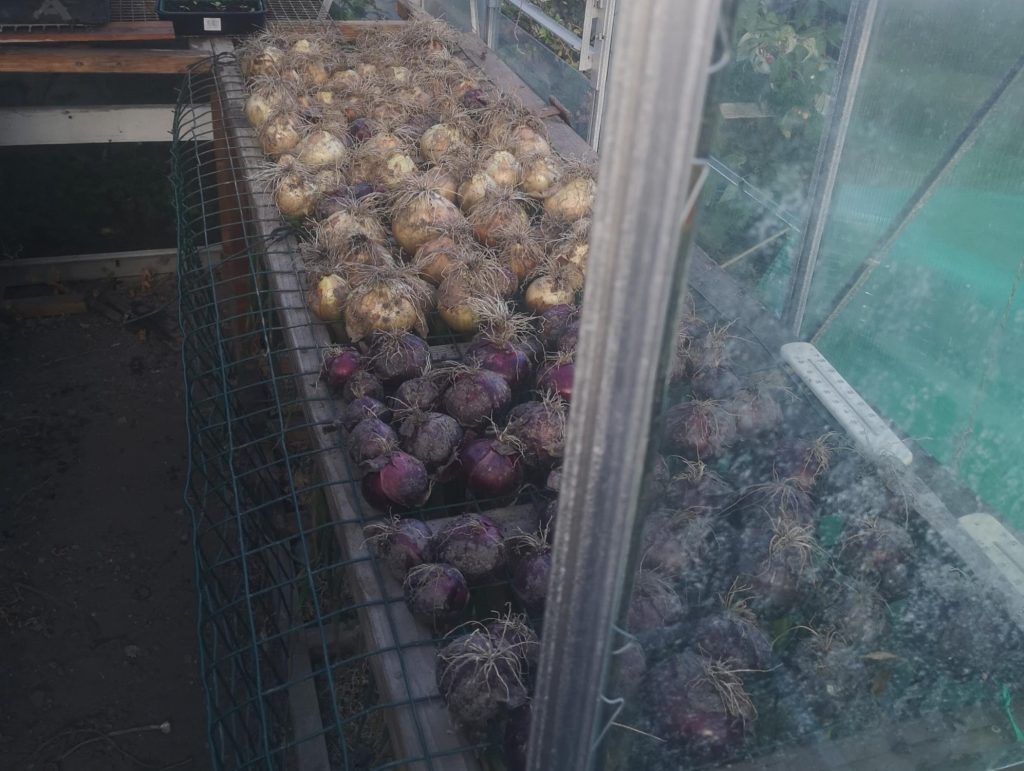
column 24, row 126
column 89, row 267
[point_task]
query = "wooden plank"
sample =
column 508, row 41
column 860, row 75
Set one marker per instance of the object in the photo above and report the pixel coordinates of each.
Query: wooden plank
column 97, row 60
column 89, row 267
column 40, row 307
column 24, row 126
column 115, row 31
column 403, row 666
column 348, row 30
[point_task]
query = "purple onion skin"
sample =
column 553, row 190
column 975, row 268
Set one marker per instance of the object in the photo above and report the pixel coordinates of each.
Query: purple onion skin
column 433, row 437
column 420, row 393
column 404, row 547
column 546, row 517
column 491, row 470
column 717, row 383
column 793, row 461
column 509, row 361
column 370, row 439
column 541, row 430
column 474, row 99
column 709, row 492
column 557, row 379
column 360, row 130
column 474, row 544
column 686, row 708
column 407, row 362
column 652, row 605
column 435, row 593
column 395, row 481
column 569, row 338
column 364, row 407
column 516, row 738
column 519, row 638
column 880, row 555
column 362, row 383
column 726, row 635
column 477, row 692
column 339, row 368
column 475, row 397
column 755, row 412
column 530, row 576
column 553, row 323
column 630, row 666
column 698, row 431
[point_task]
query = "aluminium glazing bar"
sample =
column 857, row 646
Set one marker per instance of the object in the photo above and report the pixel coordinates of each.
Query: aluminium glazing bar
column 657, row 88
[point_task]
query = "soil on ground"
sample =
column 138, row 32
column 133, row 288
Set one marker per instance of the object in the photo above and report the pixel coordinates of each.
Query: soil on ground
column 97, row 598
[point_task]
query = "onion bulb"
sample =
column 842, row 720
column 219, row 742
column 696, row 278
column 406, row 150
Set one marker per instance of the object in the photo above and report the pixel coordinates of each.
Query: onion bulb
column 385, row 299
column 520, row 248
column 327, row 298
column 474, row 190
column 296, row 195
column 574, row 246
column 500, row 211
column 503, row 168
column 261, row 104
column 572, row 200
column 539, row 175
column 420, row 213
column 472, row 279
column 443, row 181
column 440, row 140
column 321, row 148
column 396, row 168
column 526, row 140
column 349, row 234
column 280, row 133
column 436, row 257
column 264, row 61
column 557, row 285
column 343, row 79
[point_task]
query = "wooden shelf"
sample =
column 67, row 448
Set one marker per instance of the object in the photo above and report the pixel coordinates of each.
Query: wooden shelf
column 114, row 32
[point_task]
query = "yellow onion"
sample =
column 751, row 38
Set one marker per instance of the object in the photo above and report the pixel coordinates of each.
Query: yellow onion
column 527, row 141
column 343, row 79
column 397, row 168
column 503, row 168
column 468, row 281
column 296, row 195
column 436, row 257
column 440, row 140
column 557, row 286
column 336, row 233
column 264, row 62
column 321, row 148
column 366, row 69
column 280, row 134
column 540, row 173
column 474, row 190
column 572, row 200
column 399, row 74
column 386, row 300
column 520, row 248
column 327, row 298
column 323, row 97
column 499, row 211
column 442, row 181
column 420, row 214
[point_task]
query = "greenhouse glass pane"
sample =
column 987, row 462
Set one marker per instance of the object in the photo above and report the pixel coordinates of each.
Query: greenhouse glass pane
column 455, row 12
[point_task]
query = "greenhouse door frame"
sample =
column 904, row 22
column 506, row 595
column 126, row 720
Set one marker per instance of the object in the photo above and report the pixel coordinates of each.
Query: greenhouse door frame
column 648, row 167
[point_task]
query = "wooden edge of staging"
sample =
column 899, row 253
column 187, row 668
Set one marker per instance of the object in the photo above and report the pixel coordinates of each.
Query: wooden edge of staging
column 172, row 61
column 113, row 32
column 402, row 659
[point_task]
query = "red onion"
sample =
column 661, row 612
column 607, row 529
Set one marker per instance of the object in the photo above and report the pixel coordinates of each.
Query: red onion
column 476, row 396
column 492, row 467
column 697, row 488
column 512, row 631
column 433, row 437
column 804, row 462
column 395, row 481
column 699, row 429
column 733, row 634
column 654, row 603
column 473, row 544
column 360, row 129
column 756, row 411
column 776, row 560
column 479, row 678
column 362, row 408
column 400, row 544
column 530, row 577
column 718, row 383
column 569, row 338
column 777, row 499
column 540, row 427
column 553, row 323
column 362, row 383
column 508, row 359
column 474, row 99
column 880, row 553
column 546, row 515
column 435, row 592
column 370, row 439
column 339, row 365
column 398, row 356
column 419, row 393
column 557, row 378
column 554, row 480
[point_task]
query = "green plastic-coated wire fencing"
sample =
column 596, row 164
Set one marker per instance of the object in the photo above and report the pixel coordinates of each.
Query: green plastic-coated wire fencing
column 309, row 658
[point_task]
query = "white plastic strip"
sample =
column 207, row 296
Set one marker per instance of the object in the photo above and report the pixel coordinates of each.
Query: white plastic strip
column 863, row 424
column 999, row 545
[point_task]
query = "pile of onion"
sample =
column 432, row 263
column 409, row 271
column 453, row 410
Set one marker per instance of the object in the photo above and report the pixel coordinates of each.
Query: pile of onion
column 400, row 544
column 505, row 343
column 475, row 276
column 476, row 396
column 420, row 213
column 474, row 544
column 480, row 678
column 554, row 283
column 501, row 210
column 386, row 300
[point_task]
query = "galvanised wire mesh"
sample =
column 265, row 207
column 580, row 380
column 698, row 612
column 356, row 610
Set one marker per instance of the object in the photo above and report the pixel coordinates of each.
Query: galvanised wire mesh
column 309, row 657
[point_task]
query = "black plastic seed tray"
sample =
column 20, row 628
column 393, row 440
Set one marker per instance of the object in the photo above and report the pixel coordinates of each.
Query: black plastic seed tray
column 212, row 21
column 54, row 12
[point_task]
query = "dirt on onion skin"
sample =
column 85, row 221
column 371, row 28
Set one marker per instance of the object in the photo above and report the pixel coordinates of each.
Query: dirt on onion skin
column 97, row 599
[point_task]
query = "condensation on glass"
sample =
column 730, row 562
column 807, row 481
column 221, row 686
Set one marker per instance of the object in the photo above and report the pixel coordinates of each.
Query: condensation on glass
column 828, row 569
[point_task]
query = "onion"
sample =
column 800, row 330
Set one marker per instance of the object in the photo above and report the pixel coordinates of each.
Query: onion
column 476, row 396
column 781, row 498
column 776, row 562
column 260, row 105
column 699, row 429
column 557, row 375
column 397, row 168
column 756, row 411
column 520, row 248
column 569, row 339
column 555, row 321
column 557, row 285
column 531, row 568
column 479, row 678
column 357, row 410
column 353, row 236
column 881, row 553
column 387, row 300
column 420, row 214
column 339, row 365
column 370, row 439
column 296, row 194
column 443, row 182
column 718, row 383
column 400, row 544
column 360, row 384
column 474, row 190
column 360, row 130
column 395, row 481
column 434, row 258
column 476, row 278
column 699, row 701
column 540, row 427
column 435, row 593
column 503, row 168
column 321, row 148
column 539, row 175
column 693, row 549
column 653, row 604
column 263, row 62
column 441, row 140
column 473, row 544
column 529, row 141
column 419, row 393
column 697, row 488
column 733, row 634
column 398, row 356
column 492, row 467
column 574, row 245
column 280, row 134
column 501, row 210
column 432, row 437
column 804, row 462
column 857, row 612
column 572, row 200
column 506, row 357
column 513, row 631
column 327, row 298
